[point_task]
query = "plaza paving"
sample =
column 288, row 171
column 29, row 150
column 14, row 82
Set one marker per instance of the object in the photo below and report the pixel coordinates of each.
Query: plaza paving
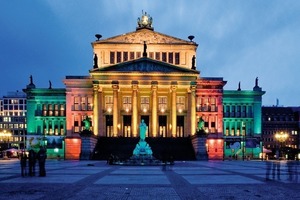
column 228, row 180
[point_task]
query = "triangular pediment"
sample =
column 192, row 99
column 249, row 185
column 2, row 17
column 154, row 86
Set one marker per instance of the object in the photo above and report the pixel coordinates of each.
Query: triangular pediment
column 141, row 35
column 145, row 65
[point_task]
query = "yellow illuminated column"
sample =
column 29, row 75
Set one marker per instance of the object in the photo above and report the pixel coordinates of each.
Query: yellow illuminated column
column 173, row 111
column 115, row 86
column 193, row 108
column 95, row 110
column 134, row 123
column 154, row 108
column 100, row 120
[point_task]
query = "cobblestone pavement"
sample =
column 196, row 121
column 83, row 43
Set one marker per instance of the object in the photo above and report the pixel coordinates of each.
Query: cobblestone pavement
column 228, row 180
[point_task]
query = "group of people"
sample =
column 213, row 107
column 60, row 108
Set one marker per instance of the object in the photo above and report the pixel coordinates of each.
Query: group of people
column 29, row 159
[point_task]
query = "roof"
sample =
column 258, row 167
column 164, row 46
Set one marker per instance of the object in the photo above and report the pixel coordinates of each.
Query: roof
column 144, row 34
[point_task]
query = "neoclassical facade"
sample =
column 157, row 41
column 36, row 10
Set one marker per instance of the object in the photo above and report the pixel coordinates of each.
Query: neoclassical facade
column 146, row 75
column 138, row 75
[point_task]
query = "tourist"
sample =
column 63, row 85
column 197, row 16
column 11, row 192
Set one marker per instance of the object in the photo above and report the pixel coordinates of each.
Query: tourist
column 42, row 156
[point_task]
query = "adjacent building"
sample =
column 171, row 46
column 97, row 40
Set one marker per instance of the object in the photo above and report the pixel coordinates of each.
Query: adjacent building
column 281, row 130
column 13, row 120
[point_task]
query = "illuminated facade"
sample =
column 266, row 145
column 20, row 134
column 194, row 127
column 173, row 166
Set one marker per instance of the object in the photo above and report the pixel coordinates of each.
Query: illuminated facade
column 13, row 120
column 150, row 76
column 46, row 119
column 242, row 122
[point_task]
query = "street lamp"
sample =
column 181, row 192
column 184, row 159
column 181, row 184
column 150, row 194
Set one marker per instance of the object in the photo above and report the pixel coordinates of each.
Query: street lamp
column 281, row 137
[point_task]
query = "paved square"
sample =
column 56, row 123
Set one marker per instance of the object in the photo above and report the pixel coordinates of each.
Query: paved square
column 134, row 179
column 220, row 179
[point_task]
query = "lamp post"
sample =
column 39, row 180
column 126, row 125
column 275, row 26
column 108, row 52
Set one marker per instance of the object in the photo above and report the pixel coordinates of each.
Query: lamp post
column 281, row 137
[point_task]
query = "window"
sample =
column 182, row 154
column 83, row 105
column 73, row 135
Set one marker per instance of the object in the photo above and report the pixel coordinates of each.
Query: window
column 50, row 109
column 131, row 55
column 112, row 57
column 56, row 110
column 177, row 58
column 157, row 55
column 162, row 104
column 151, row 55
column 108, row 103
column 76, row 124
column 76, row 103
column 44, row 109
column 213, row 104
column 90, row 103
column 180, row 104
column 125, row 56
column 145, row 104
column 83, row 103
column 171, row 57
column 138, row 54
column 119, row 57
column 127, row 103
column 164, row 56
column 62, row 110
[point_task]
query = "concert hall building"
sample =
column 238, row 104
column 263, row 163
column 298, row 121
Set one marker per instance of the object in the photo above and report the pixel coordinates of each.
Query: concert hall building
column 150, row 76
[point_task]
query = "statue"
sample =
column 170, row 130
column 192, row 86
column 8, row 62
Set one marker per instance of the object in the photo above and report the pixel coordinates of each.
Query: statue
column 87, row 123
column 200, row 124
column 256, row 82
column 193, row 62
column 143, row 130
column 145, row 49
column 95, row 61
column 50, row 85
column 31, row 81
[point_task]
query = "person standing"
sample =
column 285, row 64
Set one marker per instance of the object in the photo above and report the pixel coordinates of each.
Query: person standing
column 32, row 161
column 42, row 156
column 23, row 162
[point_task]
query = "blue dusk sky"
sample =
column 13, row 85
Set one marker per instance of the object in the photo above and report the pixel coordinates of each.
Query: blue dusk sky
column 238, row 40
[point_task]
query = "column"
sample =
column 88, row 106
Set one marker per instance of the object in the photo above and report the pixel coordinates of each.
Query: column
column 173, row 108
column 154, row 108
column 115, row 86
column 101, row 128
column 134, row 122
column 95, row 109
column 193, row 107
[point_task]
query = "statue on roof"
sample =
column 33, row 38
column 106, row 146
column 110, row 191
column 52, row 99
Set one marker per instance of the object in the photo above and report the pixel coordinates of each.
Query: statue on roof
column 95, row 61
column 193, row 62
column 145, row 21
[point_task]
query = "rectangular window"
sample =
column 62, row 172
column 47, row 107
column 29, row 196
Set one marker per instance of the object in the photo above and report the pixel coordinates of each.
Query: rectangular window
column 83, row 103
column 171, row 57
column 145, row 101
column 162, row 104
column 131, row 55
column 45, row 108
column 127, row 103
column 164, row 56
column 138, row 54
column 90, row 103
column 112, row 57
column 180, row 103
column 199, row 104
column 56, row 110
column 62, row 110
column 151, row 55
column 177, row 58
column 76, row 103
column 125, row 56
column 76, row 124
column 213, row 104
column 157, row 55
column 50, row 109
column 119, row 57
column 108, row 103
